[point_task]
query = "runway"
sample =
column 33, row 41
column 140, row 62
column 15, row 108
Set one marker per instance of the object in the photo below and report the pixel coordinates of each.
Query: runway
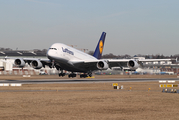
column 58, row 81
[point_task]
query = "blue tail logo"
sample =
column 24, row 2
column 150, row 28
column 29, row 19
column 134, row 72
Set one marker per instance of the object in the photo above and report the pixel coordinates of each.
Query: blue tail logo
column 99, row 49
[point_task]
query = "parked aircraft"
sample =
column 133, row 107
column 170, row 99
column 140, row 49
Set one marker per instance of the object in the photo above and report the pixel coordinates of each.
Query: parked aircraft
column 64, row 57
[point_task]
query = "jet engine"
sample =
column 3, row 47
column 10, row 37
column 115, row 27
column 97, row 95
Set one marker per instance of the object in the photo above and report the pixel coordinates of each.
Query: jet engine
column 36, row 64
column 19, row 62
column 103, row 65
column 132, row 64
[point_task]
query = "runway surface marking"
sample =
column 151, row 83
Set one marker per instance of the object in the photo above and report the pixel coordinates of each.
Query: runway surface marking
column 47, row 81
column 76, row 90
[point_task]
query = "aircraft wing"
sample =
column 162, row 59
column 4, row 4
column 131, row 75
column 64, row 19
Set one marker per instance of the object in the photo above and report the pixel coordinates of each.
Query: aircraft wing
column 131, row 63
column 40, row 59
column 87, row 65
column 37, row 63
column 118, row 62
column 95, row 64
column 43, row 61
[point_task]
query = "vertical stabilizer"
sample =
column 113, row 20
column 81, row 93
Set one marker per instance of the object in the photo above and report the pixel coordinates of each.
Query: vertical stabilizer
column 99, row 49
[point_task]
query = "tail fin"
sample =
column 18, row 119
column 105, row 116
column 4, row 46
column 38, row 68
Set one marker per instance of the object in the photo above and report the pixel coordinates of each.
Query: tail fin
column 99, row 49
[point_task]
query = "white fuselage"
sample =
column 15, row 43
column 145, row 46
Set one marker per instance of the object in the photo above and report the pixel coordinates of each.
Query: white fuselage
column 66, row 56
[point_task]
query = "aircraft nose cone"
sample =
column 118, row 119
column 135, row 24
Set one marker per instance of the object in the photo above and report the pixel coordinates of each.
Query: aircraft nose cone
column 49, row 54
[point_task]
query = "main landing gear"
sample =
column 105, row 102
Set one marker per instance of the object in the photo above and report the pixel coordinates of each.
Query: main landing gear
column 86, row 75
column 61, row 74
column 72, row 75
column 83, row 75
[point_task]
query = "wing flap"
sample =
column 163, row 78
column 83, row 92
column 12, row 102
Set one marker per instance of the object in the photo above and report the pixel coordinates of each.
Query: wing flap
column 118, row 62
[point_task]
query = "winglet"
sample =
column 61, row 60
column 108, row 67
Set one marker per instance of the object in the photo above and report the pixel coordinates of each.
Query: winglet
column 99, row 49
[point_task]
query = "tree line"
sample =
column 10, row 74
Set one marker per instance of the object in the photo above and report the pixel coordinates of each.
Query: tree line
column 112, row 56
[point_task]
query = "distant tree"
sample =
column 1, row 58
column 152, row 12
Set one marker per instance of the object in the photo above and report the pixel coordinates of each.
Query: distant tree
column 37, row 50
column 162, row 57
column 1, row 49
column 127, row 56
column 110, row 55
column 44, row 50
column 5, row 49
column 91, row 52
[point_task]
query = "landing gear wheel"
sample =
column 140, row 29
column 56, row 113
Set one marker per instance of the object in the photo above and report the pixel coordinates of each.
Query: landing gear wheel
column 90, row 74
column 61, row 74
column 72, row 75
column 83, row 75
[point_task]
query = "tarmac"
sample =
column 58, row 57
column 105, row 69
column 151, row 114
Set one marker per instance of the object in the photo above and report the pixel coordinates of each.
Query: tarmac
column 53, row 98
column 91, row 80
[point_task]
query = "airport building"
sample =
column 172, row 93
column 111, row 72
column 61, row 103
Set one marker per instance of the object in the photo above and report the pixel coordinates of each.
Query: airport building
column 7, row 66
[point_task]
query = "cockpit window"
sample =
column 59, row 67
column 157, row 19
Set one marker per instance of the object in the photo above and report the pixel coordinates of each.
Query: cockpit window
column 53, row 48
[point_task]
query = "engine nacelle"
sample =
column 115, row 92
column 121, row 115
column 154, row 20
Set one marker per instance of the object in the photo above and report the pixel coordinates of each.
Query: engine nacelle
column 102, row 65
column 19, row 62
column 36, row 64
column 132, row 64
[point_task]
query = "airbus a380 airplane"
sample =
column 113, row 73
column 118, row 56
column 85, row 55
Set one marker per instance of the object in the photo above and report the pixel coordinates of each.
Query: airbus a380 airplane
column 64, row 57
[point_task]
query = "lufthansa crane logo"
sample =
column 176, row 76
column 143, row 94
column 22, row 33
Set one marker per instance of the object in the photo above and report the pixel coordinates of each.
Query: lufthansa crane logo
column 101, row 46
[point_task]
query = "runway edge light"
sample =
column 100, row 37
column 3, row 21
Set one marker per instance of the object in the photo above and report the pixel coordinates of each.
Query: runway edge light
column 17, row 85
column 162, row 81
column 4, row 84
column 149, row 89
column 169, row 81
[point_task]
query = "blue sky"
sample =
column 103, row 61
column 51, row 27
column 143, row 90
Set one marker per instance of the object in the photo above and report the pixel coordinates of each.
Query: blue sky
column 132, row 26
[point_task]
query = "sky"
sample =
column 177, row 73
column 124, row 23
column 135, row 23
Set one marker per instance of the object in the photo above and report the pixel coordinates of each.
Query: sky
column 132, row 26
